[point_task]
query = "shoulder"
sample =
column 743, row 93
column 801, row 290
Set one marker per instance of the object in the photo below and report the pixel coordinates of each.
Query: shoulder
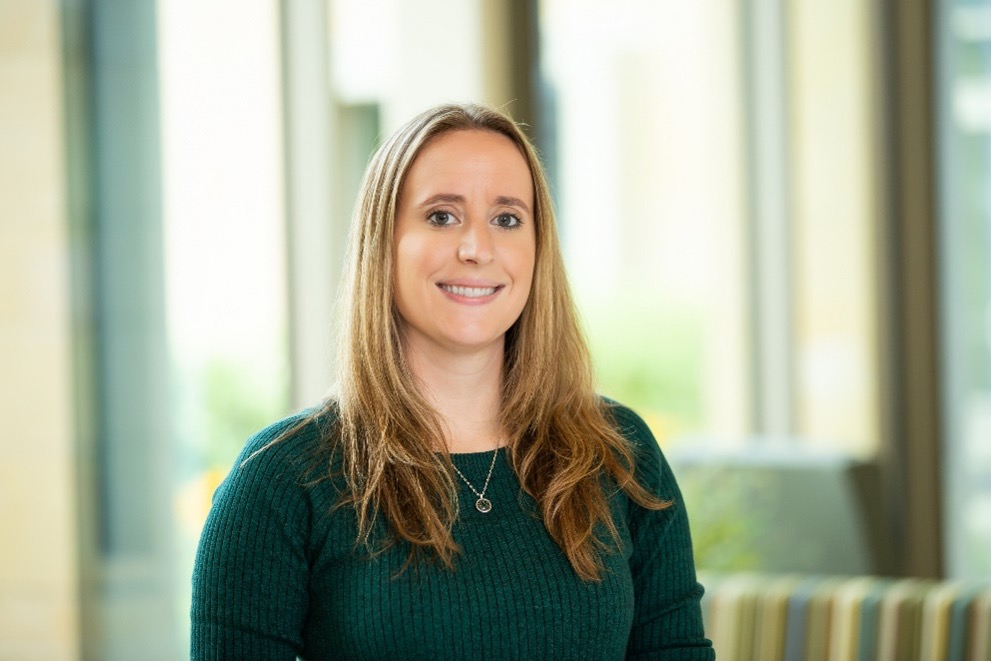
column 634, row 430
column 290, row 452
column 652, row 469
column 250, row 577
column 629, row 424
column 294, row 437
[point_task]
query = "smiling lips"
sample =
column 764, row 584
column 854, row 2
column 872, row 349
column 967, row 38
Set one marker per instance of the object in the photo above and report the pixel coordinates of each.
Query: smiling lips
column 469, row 292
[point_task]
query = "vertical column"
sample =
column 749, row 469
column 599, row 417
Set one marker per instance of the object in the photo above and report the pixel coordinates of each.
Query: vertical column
column 769, row 225
column 39, row 617
column 316, row 230
column 126, row 472
column 910, row 454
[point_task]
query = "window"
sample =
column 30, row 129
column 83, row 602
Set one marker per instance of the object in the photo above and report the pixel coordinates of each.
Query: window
column 649, row 184
column 964, row 134
column 224, row 226
column 706, row 250
column 714, row 170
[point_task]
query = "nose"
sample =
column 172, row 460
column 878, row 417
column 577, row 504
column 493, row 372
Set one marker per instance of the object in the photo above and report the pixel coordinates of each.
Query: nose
column 476, row 244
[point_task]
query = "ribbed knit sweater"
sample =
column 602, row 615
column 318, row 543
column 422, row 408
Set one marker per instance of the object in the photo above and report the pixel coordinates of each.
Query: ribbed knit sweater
column 278, row 575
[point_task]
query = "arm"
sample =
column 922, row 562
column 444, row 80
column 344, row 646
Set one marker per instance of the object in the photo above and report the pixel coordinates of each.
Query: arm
column 250, row 582
column 667, row 622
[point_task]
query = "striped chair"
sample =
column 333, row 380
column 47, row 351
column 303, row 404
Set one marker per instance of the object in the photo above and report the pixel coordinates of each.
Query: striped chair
column 786, row 617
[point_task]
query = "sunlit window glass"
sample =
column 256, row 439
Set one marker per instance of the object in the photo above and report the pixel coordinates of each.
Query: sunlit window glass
column 223, row 220
column 965, row 138
column 649, row 182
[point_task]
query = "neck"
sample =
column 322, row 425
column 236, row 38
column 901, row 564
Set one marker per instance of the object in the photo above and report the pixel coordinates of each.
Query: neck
column 464, row 389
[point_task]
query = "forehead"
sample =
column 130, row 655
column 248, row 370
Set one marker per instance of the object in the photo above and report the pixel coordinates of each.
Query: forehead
column 465, row 157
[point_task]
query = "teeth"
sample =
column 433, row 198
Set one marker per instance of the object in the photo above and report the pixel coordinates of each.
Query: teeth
column 469, row 292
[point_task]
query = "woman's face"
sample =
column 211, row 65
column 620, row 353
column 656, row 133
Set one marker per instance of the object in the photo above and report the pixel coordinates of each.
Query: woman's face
column 464, row 242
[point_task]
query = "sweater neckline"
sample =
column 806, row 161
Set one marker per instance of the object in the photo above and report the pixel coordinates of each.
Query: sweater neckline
column 467, row 455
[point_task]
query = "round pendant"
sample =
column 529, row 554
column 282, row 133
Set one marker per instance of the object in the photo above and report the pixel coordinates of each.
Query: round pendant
column 483, row 505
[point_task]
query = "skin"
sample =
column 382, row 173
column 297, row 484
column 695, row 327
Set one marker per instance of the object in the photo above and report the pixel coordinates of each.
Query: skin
column 464, row 222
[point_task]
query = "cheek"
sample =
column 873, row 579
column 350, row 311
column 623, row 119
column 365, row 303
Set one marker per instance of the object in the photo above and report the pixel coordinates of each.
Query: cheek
column 402, row 273
column 525, row 260
column 520, row 264
column 417, row 259
column 410, row 256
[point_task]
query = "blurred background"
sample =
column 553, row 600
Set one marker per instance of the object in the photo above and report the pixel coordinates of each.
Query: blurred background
column 776, row 216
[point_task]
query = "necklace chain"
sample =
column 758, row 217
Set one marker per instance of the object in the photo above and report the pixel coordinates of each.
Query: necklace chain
column 482, row 504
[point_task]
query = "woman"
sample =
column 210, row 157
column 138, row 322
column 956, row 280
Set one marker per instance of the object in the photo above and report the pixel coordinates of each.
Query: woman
column 465, row 494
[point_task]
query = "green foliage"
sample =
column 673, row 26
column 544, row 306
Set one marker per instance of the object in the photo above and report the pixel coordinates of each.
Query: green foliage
column 237, row 403
column 221, row 402
column 649, row 356
column 724, row 529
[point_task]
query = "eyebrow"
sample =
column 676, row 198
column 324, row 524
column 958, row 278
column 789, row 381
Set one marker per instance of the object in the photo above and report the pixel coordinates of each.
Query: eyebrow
column 459, row 198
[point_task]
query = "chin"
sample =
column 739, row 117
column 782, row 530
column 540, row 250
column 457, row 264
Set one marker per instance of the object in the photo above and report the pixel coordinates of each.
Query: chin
column 474, row 342
column 470, row 346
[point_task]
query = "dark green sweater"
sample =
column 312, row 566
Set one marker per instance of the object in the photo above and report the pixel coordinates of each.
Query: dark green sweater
column 277, row 575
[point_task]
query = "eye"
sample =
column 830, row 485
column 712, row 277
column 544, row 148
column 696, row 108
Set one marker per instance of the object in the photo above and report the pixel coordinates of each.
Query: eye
column 440, row 218
column 508, row 221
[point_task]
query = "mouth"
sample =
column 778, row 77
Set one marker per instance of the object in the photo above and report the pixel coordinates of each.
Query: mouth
column 469, row 292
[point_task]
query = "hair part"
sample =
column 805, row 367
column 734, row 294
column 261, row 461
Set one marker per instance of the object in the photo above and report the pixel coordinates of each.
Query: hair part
column 562, row 445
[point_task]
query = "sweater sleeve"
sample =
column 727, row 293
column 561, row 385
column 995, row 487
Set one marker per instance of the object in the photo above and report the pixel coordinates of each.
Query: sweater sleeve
column 667, row 622
column 250, row 581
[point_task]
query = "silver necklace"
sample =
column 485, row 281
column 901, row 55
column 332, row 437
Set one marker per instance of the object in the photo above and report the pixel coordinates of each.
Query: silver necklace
column 482, row 504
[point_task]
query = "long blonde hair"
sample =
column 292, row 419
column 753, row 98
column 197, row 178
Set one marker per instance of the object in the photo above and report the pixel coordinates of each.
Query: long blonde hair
column 562, row 442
